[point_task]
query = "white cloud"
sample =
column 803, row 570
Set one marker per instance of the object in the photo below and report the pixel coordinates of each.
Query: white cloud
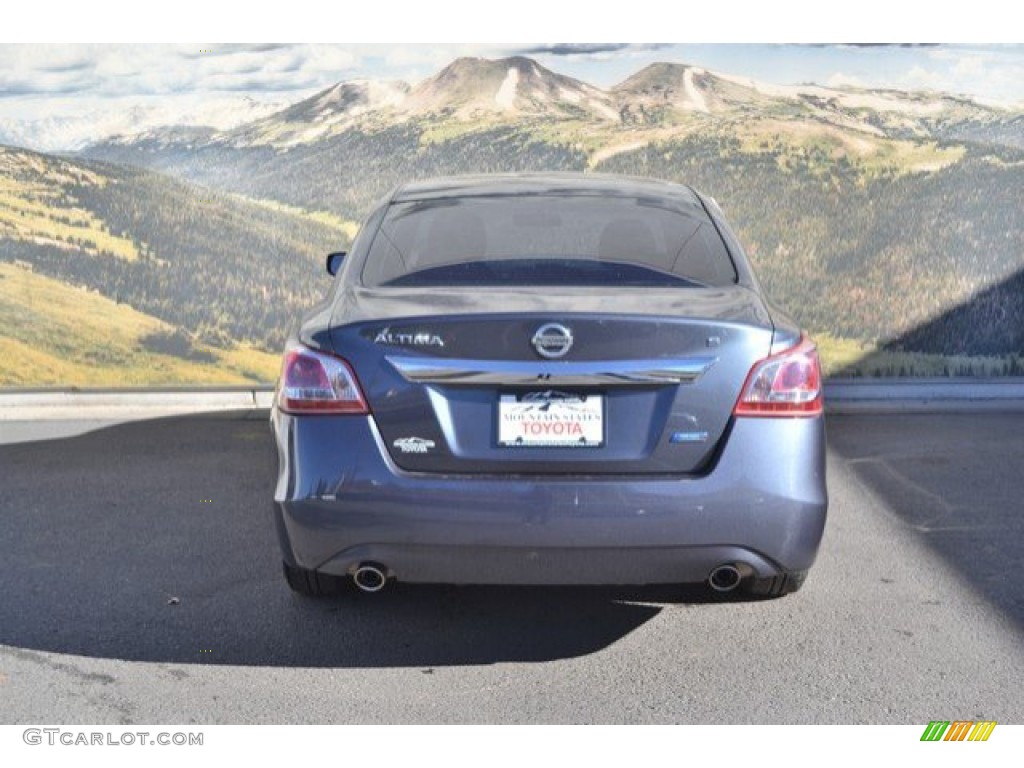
column 435, row 56
column 840, row 80
column 988, row 78
column 918, row 77
column 98, row 71
column 992, row 74
column 62, row 90
column 969, row 66
column 331, row 58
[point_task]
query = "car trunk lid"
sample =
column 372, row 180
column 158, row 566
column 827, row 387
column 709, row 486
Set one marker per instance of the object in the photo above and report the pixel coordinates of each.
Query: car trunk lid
column 578, row 381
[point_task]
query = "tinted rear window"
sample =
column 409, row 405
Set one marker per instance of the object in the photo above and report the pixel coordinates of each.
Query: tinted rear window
column 546, row 240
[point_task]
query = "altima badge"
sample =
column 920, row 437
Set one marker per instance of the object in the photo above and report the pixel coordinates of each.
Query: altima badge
column 408, row 339
column 552, row 340
column 413, row 444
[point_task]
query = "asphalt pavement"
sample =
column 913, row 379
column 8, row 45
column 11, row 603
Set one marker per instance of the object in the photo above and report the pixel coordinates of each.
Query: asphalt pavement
column 140, row 583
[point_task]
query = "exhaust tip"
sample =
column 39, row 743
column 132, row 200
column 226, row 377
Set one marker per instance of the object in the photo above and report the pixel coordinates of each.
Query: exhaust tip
column 725, row 578
column 370, row 577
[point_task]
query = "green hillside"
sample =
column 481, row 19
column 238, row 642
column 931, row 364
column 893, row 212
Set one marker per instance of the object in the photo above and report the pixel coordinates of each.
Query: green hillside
column 221, row 273
column 55, row 334
column 854, row 254
column 857, row 236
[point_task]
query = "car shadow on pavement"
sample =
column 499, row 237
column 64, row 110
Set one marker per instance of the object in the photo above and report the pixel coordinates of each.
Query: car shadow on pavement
column 955, row 481
column 153, row 541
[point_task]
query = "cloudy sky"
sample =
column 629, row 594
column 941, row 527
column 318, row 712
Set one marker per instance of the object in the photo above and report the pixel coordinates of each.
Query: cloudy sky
column 225, row 84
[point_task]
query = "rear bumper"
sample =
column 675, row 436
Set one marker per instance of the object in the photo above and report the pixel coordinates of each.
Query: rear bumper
column 340, row 501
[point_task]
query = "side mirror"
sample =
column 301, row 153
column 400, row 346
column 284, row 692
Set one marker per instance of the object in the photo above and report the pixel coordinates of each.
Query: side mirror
column 334, row 262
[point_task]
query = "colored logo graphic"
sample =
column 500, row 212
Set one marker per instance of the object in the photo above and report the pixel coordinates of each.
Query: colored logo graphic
column 958, row 730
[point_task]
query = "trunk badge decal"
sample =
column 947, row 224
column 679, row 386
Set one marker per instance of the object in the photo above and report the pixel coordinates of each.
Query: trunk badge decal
column 410, row 339
column 688, row 437
column 413, row 444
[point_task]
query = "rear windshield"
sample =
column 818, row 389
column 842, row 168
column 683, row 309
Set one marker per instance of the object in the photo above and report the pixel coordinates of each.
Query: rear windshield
column 546, row 240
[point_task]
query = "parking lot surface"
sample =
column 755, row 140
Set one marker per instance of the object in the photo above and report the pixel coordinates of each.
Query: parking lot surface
column 141, row 583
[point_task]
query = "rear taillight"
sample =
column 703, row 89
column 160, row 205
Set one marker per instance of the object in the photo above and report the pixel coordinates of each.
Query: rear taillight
column 785, row 384
column 312, row 382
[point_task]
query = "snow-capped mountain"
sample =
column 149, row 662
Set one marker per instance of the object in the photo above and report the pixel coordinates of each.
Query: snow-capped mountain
column 670, row 92
column 73, row 132
column 328, row 112
column 482, row 88
column 513, row 90
column 674, row 87
column 468, row 89
column 514, row 114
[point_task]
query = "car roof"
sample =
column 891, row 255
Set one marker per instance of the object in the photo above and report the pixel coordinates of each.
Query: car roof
column 558, row 184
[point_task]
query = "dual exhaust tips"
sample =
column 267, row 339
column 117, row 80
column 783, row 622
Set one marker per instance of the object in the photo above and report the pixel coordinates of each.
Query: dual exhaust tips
column 725, row 577
column 370, row 577
column 373, row 577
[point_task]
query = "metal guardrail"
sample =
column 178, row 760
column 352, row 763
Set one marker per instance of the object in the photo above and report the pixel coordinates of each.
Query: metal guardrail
column 115, row 404
column 841, row 396
column 920, row 395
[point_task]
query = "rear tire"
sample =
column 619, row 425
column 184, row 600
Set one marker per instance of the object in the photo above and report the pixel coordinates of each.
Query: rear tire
column 311, row 583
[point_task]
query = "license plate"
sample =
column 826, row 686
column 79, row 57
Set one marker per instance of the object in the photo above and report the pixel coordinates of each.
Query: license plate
column 551, row 420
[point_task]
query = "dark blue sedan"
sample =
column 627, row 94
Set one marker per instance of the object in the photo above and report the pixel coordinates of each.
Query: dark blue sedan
column 548, row 379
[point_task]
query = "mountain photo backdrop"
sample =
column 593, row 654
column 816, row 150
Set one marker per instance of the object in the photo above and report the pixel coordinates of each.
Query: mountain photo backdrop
column 138, row 248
